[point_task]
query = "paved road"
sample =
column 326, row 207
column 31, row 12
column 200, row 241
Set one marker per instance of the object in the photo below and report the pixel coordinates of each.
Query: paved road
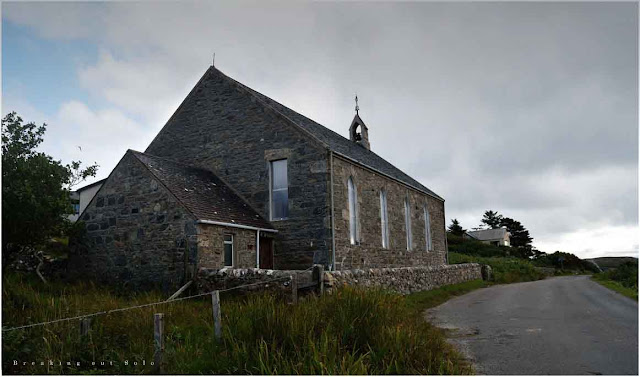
column 561, row 325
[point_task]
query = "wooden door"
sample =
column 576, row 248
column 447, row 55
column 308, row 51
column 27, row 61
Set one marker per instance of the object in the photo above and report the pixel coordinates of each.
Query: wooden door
column 266, row 253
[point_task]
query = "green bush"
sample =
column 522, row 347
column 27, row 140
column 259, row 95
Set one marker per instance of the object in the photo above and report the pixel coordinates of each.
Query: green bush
column 462, row 245
column 351, row 331
column 505, row 270
column 626, row 274
column 565, row 261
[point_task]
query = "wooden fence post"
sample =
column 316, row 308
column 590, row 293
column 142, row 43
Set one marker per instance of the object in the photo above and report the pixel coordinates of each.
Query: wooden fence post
column 158, row 337
column 85, row 324
column 294, row 289
column 217, row 316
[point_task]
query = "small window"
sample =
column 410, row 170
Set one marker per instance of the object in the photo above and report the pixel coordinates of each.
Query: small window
column 279, row 190
column 228, row 250
column 427, row 228
column 76, row 208
column 353, row 212
column 384, row 219
column 407, row 222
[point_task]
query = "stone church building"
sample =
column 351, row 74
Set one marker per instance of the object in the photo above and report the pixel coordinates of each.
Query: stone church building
column 236, row 179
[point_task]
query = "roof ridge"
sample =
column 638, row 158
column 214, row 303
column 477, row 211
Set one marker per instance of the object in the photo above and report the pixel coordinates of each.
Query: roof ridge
column 160, row 180
column 223, row 181
column 174, row 162
column 258, row 96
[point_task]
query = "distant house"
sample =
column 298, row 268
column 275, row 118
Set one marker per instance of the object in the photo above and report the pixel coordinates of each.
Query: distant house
column 496, row 237
column 75, row 203
column 81, row 197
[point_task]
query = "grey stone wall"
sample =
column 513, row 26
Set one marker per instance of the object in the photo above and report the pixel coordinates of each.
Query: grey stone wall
column 211, row 246
column 405, row 280
column 369, row 253
column 137, row 232
column 221, row 128
column 272, row 280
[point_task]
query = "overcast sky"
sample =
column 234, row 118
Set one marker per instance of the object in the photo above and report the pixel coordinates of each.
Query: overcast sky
column 529, row 109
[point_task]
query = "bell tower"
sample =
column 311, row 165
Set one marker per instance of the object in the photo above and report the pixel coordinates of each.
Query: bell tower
column 358, row 132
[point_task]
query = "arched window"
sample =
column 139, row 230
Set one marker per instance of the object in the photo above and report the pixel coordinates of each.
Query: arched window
column 427, row 228
column 353, row 212
column 384, row 219
column 407, row 221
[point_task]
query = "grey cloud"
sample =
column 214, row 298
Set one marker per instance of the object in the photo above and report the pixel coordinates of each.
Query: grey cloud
column 480, row 101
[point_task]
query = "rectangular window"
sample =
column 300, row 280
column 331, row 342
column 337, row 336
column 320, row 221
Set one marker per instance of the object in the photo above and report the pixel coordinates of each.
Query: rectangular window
column 427, row 227
column 228, row 250
column 407, row 222
column 279, row 190
column 384, row 222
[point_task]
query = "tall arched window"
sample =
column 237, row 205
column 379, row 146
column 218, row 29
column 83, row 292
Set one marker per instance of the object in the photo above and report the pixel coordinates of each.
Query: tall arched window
column 353, row 212
column 384, row 219
column 427, row 228
column 407, row 221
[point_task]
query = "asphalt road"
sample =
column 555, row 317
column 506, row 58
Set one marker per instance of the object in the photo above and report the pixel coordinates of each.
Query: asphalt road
column 561, row 325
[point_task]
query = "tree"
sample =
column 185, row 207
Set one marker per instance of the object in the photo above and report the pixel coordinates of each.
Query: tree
column 492, row 219
column 35, row 189
column 455, row 228
column 519, row 234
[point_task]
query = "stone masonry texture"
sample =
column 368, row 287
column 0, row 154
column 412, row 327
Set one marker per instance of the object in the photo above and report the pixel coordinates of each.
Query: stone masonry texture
column 137, row 232
column 220, row 128
column 405, row 280
column 368, row 251
column 211, row 246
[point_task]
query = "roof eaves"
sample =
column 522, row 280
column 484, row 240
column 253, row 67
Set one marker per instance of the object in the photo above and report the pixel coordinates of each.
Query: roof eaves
column 387, row 175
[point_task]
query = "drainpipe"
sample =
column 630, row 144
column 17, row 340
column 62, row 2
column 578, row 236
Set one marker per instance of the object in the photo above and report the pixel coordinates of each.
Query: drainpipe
column 258, row 248
column 333, row 224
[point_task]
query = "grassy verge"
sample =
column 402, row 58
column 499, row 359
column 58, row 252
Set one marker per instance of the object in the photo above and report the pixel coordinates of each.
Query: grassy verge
column 349, row 332
column 616, row 286
column 505, row 270
column 421, row 301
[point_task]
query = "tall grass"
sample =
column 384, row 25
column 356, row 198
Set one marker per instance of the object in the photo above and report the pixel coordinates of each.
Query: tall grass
column 622, row 279
column 348, row 332
column 505, row 270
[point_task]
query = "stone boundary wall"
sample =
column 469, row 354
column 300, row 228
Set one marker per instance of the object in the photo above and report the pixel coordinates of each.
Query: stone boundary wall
column 218, row 279
column 403, row 280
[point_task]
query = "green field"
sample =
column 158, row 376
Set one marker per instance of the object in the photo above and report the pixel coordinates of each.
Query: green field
column 348, row 332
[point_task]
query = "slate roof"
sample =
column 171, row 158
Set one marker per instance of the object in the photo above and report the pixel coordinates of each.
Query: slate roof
column 488, row 234
column 201, row 192
column 336, row 142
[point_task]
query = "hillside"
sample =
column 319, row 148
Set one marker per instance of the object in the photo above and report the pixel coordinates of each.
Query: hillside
column 606, row 263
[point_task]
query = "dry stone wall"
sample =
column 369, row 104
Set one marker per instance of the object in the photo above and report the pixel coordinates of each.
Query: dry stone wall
column 405, row 280
column 402, row 280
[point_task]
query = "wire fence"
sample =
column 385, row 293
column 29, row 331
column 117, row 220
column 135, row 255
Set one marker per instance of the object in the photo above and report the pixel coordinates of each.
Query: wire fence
column 168, row 301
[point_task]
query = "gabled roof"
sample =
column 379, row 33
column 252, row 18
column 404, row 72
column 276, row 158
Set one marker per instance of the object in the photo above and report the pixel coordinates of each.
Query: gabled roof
column 488, row 234
column 334, row 141
column 201, row 192
column 91, row 185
